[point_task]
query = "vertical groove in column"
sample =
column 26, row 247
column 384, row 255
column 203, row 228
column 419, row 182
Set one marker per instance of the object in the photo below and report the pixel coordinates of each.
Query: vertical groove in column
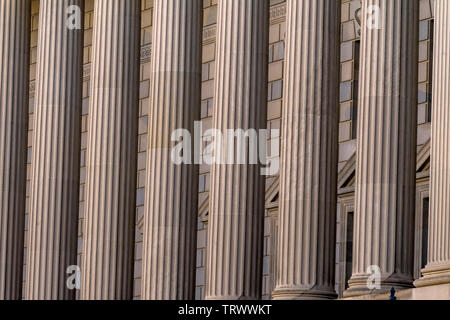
column 15, row 18
column 107, row 271
column 169, row 252
column 437, row 270
column 386, row 151
column 55, row 171
column 308, row 180
column 234, row 263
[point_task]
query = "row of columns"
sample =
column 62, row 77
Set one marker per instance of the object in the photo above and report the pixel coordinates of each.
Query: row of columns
column 306, row 251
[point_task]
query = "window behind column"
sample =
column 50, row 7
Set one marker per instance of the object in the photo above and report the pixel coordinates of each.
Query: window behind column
column 349, row 74
column 425, row 81
column 349, row 249
column 425, row 212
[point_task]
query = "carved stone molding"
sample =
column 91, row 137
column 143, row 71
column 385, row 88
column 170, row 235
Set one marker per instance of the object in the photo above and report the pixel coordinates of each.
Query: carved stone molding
column 146, row 53
column 278, row 14
column 209, row 35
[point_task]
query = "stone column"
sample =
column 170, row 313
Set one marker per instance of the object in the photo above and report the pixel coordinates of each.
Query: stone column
column 308, row 179
column 15, row 18
column 169, row 250
column 108, row 253
column 234, row 263
column 55, row 170
column 437, row 270
column 386, row 151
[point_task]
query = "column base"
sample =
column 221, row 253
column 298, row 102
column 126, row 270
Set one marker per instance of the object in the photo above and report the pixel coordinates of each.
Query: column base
column 358, row 285
column 303, row 294
column 434, row 274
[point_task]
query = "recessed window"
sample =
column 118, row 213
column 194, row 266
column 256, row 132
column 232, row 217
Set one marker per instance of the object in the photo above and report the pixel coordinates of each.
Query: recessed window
column 430, row 70
column 425, row 216
column 349, row 249
column 355, row 90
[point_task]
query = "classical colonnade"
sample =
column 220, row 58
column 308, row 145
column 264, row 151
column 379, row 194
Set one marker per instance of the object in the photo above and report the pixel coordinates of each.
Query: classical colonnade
column 385, row 190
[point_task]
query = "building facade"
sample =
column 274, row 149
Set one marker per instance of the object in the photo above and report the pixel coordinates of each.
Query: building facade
column 355, row 97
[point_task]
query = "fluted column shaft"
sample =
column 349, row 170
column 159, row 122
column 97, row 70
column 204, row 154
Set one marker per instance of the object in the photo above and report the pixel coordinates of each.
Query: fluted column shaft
column 437, row 270
column 386, row 151
column 15, row 18
column 308, row 179
column 55, row 171
column 169, row 248
column 108, row 253
column 234, row 257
